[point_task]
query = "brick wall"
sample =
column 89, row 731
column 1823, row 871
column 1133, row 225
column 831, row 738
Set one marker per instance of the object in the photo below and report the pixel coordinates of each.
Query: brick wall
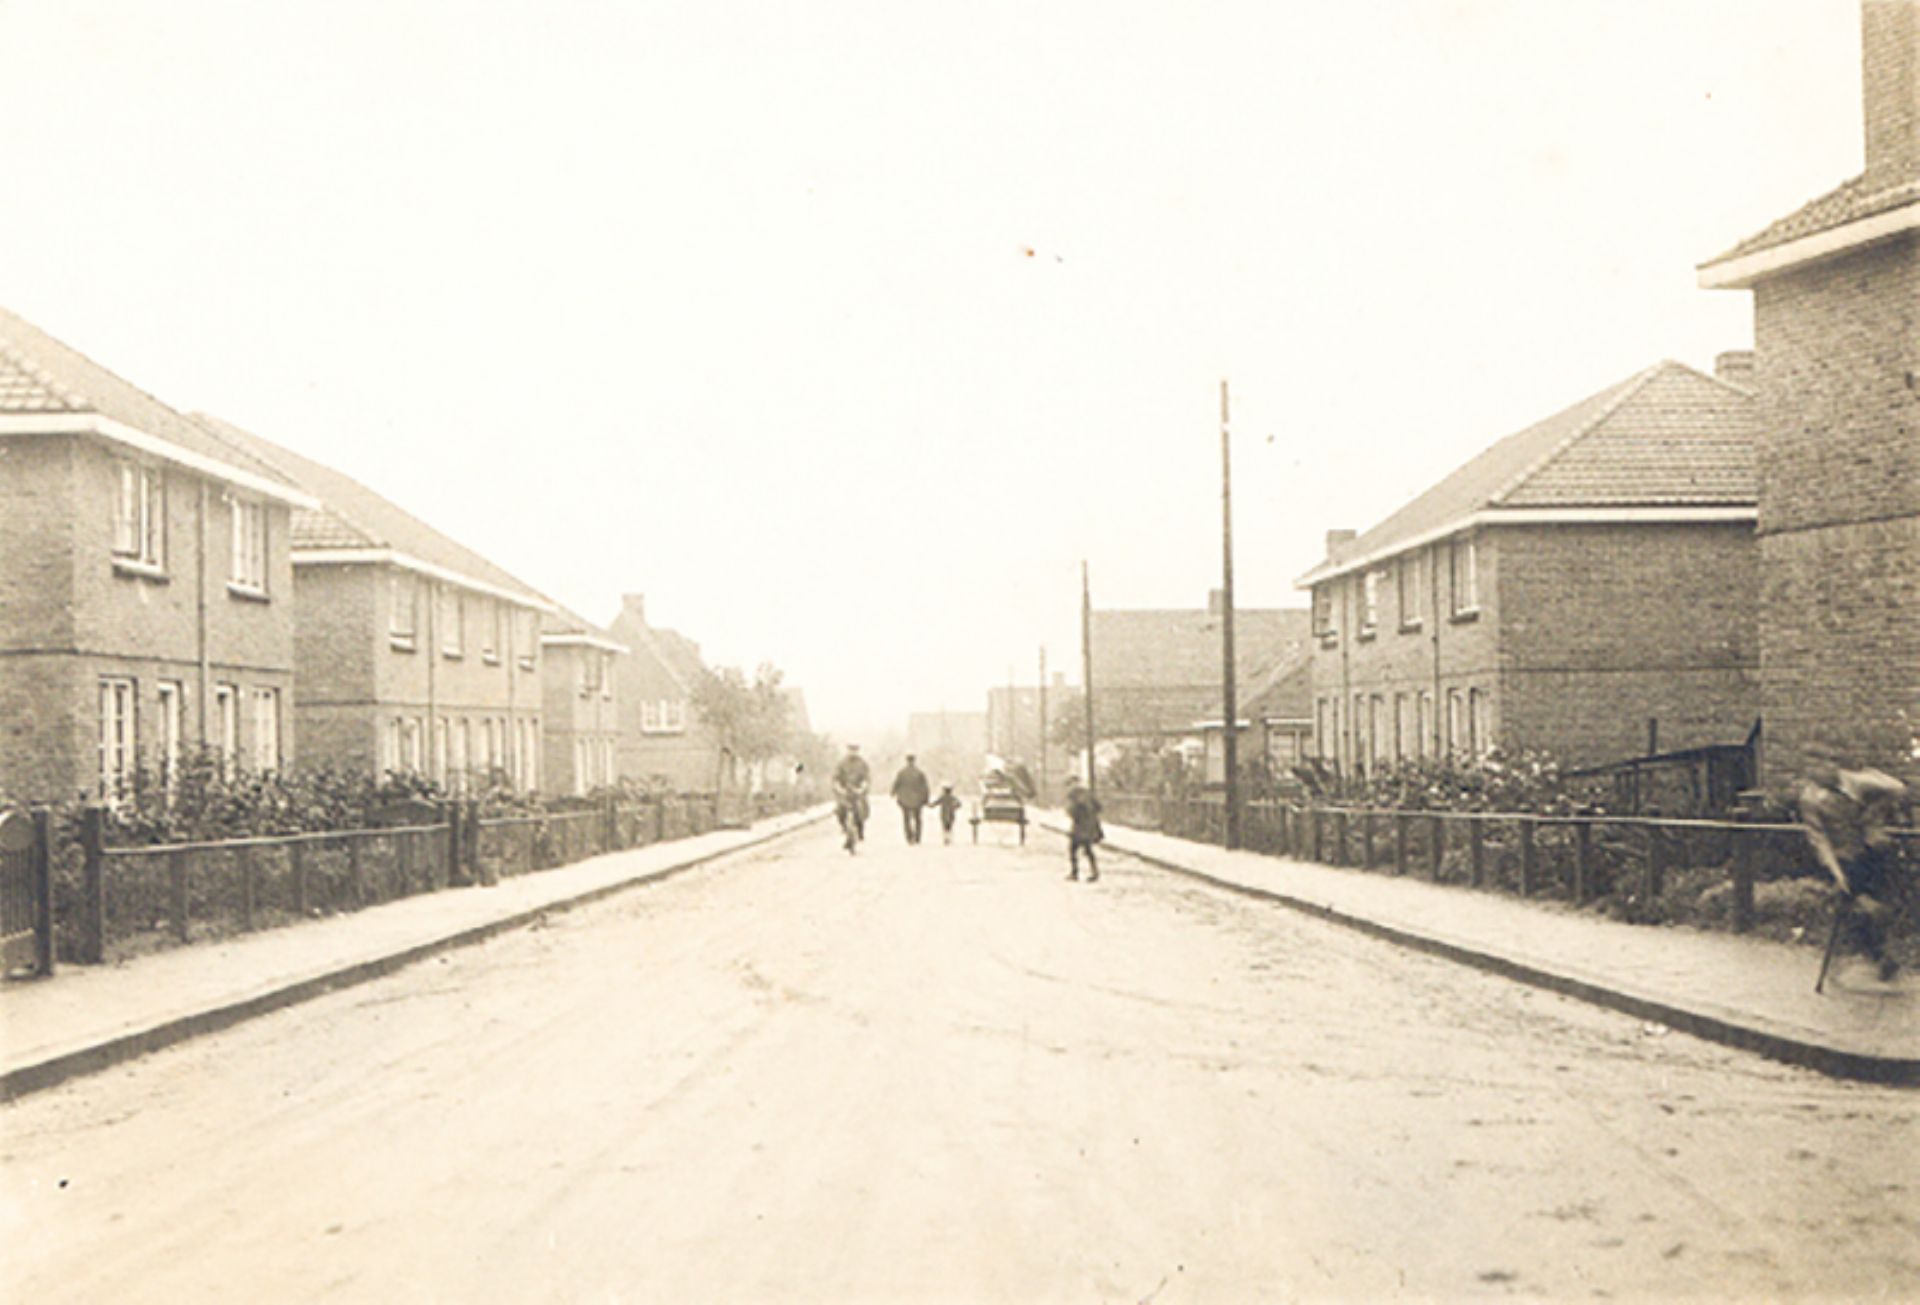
column 1890, row 85
column 1838, row 348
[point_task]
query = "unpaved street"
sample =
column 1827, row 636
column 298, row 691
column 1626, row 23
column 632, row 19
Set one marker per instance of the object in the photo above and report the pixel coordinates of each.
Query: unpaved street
column 943, row 1073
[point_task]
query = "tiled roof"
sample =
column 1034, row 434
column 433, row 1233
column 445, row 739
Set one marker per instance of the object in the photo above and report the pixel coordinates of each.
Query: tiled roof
column 352, row 516
column 674, row 651
column 1665, row 437
column 39, row 374
column 1167, row 648
column 1864, row 196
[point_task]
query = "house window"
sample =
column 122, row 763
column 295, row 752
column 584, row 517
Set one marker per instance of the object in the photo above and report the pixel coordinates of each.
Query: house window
column 525, row 638
column 1423, row 726
column 411, row 745
column 1480, row 721
column 580, row 767
column 1413, row 584
column 1357, row 727
column 249, row 570
column 390, row 754
column 140, row 515
column 266, row 729
column 440, row 751
column 1323, row 611
column 490, row 633
column 533, row 753
column 663, row 716
column 1323, row 738
column 453, row 622
column 226, row 725
column 606, row 676
column 1377, row 729
column 403, row 615
column 1458, row 742
column 457, row 761
column 1464, row 565
column 1370, row 602
column 1402, row 729
column 117, row 737
column 606, row 760
column 172, row 695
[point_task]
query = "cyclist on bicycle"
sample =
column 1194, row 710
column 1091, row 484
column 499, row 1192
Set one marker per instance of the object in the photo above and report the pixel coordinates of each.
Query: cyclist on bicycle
column 851, row 779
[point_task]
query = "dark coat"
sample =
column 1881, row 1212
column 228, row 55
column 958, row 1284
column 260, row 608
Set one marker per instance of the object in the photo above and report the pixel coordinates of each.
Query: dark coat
column 910, row 787
column 1083, row 809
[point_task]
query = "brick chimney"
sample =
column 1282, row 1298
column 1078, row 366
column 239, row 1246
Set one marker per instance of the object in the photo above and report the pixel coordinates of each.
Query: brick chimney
column 634, row 605
column 1337, row 541
column 1890, row 86
column 1216, row 602
column 1735, row 367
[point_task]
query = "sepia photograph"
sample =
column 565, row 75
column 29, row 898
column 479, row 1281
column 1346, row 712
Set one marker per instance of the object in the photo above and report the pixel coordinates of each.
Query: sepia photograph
column 869, row 651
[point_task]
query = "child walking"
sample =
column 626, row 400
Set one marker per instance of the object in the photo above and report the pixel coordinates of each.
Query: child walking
column 1083, row 810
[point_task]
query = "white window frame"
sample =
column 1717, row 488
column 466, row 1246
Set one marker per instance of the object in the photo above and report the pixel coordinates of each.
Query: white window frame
column 247, row 571
column 171, row 696
column 119, row 733
column 140, row 515
column 440, row 750
column 403, row 613
column 266, row 729
column 1324, row 626
column 226, row 725
column 1412, row 574
column 453, row 622
column 1458, row 738
column 1423, row 731
column 1370, row 601
column 1480, row 721
column 1466, row 591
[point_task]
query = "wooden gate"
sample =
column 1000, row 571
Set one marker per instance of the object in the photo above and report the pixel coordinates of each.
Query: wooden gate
column 26, row 893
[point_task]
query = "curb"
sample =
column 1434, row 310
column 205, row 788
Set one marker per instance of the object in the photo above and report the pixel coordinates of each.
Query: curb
column 18, row 1082
column 1892, row 1071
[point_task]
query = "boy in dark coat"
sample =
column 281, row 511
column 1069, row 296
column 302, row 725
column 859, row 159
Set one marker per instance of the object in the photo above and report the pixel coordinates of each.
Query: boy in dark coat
column 1083, row 811
column 949, row 805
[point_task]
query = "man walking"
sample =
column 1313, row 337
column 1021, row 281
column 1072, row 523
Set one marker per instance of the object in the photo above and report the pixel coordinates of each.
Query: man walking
column 911, row 792
column 1083, row 813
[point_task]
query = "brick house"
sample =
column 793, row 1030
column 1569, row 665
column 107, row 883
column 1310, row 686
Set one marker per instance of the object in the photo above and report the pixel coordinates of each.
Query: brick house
column 1583, row 587
column 146, row 595
column 581, row 722
column 1276, row 723
column 1157, row 672
column 1836, row 325
column 412, row 653
column 661, row 734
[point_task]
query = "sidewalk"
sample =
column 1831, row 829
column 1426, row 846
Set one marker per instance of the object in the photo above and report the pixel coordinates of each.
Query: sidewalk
column 1743, row 991
column 88, row 1017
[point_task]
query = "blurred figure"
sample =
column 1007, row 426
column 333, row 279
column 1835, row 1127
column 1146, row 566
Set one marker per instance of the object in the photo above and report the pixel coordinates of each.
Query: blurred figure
column 1083, row 813
column 851, row 779
column 1847, row 815
column 949, row 805
column 910, row 791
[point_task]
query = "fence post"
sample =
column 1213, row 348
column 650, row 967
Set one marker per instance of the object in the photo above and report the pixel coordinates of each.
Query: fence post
column 1477, row 847
column 297, row 864
column 1437, row 846
column 354, row 883
column 1526, row 857
column 93, row 886
column 1582, row 862
column 1742, row 881
column 659, row 821
column 43, row 891
column 177, row 874
column 452, row 812
column 248, row 888
column 1366, row 840
column 1653, row 882
column 1400, row 842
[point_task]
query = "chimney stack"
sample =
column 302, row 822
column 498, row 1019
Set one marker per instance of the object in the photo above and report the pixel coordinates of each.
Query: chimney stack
column 1890, row 86
column 634, row 605
column 1216, row 602
column 1337, row 541
column 1735, row 367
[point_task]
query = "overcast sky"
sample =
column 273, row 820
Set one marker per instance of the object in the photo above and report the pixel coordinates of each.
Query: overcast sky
column 843, row 331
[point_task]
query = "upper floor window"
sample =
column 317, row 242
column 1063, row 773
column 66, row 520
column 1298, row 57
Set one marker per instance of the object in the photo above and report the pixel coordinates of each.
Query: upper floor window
column 1464, row 562
column 490, row 633
column 1370, row 602
column 249, row 569
column 1413, row 588
column 140, row 515
column 403, row 614
column 663, row 716
column 453, row 623
column 1323, row 610
column 525, row 637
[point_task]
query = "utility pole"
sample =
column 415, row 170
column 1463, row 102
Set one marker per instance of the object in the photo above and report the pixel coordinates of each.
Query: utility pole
column 1086, row 666
column 1231, row 724
column 1040, row 775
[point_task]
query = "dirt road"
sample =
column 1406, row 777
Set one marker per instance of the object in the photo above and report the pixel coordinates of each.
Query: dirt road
column 943, row 1073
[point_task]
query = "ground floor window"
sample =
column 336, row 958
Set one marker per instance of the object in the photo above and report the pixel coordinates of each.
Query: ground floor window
column 172, row 699
column 226, row 725
column 1480, row 721
column 118, row 740
column 266, row 729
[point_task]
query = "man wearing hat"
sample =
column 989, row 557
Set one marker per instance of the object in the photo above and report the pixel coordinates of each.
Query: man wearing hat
column 910, row 791
column 851, row 779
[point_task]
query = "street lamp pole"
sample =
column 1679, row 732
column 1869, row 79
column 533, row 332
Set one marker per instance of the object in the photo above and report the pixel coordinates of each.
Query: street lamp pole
column 1086, row 667
column 1040, row 776
column 1230, row 730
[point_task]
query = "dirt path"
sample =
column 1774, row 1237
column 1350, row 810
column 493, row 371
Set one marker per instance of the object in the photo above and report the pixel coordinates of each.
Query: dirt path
column 947, row 1074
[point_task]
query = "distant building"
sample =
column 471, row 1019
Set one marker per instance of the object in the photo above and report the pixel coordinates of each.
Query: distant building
column 1276, row 725
column 1836, row 324
column 146, row 583
column 1584, row 588
column 1013, row 725
column 580, row 720
column 1160, row 673
column 662, row 738
column 951, row 745
column 412, row 652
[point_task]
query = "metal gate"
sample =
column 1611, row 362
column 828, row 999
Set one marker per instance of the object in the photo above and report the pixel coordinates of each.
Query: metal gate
column 26, row 893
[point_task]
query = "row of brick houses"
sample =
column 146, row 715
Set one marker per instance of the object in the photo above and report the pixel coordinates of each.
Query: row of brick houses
column 1679, row 562
column 171, row 580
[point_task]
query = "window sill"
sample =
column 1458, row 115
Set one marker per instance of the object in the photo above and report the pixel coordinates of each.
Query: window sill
column 138, row 570
column 1464, row 615
column 453, row 654
column 401, row 643
column 1367, row 635
column 247, row 593
column 526, row 663
column 491, row 659
column 1412, row 627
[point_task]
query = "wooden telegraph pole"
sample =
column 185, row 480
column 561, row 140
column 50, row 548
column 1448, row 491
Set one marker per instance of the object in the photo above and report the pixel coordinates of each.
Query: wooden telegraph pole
column 1040, row 775
column 1231, row 723
column 1086, row 667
